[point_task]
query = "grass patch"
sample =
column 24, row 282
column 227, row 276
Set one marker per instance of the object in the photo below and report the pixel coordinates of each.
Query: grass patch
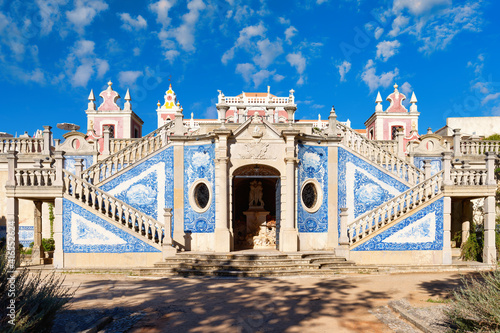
column 438, row 300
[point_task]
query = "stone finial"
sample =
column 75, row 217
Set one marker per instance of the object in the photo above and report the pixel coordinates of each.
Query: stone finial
column 158, row 104
column 396, row 87
column 429, row 130
column 91, row 105
column 332, row 123
column 109, row 97
column 127, row 105
column 413, row 101
column 378, row 101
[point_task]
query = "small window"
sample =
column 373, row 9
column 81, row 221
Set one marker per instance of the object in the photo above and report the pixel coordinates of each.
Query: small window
column 111, row 130
column 395, row 130
column 201, row 195
column 309, row 195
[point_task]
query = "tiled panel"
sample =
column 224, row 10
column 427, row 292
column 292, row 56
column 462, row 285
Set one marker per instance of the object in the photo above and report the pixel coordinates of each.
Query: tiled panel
column 26, row 235
column 421, row 231
column 363, row 187
column 85, row 232
column 149, row 186
column 436, row 163
column 199, row 164
column 313, row 164
column 69, row 162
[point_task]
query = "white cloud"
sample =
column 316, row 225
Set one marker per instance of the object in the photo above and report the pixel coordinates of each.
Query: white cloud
column 319, row 2
column 278, row 77
column 243, row 40
column 482, row 87
column 161, row 9
column 136, row 51
column 387, row 49
column 246, row 70
column 284, row 21
column 297, row 60
column 406, row 89
column 373, row 80
column 170, row 55
column 260, row 76
column 102, row 67
column 49, row 13
column 490, row 97
column 84, row 12
column 184, row 34
column 399, row 23
column 289, row 33
column 129, row 23
column 82, row 75
column 268, row 52
column 418, row 7
column 128, row 78
column 83, row 48
column 300, row 81
column 378, row 32
column 344, row 68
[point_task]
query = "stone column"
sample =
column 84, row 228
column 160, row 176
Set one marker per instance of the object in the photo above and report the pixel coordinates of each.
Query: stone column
column 78, row 167
column 37, row 253
column 343, row 249
column 12, row 204
column 401, row 143
column 59, row 157
column 289, row 235
column 489, row 250
column 47, row 139
column 106, row 142
column 58, row 233
column 447, row 168
column 178, row 233
column 222, row 109
column 490, row 168
column 427, row 169
column 168, row 248
column 333, row 234
column 447, row 231
column 222, row 233
column 332, row 123
column 456, row 142
column 465, row 231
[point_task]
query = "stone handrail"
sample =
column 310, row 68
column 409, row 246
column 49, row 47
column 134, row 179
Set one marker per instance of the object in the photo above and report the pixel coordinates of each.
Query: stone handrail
column 128, row 155
column 22, row 145
column 389, row 145
column 468, row 177
column 479, row 147
column 391, row 210
column 116, row 145
column 384, row 158
column 35, row 177
column 147, row 228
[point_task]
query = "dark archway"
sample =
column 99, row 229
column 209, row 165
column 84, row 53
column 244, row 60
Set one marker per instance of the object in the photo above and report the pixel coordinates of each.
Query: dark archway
column 256, row 226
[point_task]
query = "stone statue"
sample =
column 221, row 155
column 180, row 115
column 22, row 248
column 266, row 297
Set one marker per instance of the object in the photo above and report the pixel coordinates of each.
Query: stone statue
column 256, row 194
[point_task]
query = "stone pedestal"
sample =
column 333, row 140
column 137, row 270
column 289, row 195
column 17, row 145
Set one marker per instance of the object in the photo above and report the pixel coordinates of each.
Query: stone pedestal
column 255, row 222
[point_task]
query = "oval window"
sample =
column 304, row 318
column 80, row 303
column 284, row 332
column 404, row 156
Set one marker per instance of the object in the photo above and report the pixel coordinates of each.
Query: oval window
column 309, row 195
column 201, row 195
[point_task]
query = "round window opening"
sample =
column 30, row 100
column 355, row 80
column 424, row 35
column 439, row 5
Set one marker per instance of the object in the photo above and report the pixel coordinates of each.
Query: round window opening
column 201, row 195
column 309, row 195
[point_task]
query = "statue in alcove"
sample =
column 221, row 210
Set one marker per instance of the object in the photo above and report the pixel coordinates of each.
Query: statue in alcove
column 256, row 194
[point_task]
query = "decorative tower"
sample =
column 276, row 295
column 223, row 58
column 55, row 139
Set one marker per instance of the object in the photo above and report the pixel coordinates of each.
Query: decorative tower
column 167, row 111
column 122, row 123
column 384, row 125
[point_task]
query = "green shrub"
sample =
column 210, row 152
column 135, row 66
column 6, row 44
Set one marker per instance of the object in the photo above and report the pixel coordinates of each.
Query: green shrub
column 493, row 137
column 36, row 299
column 472, row 249
column 48, row 244
column 475, row 306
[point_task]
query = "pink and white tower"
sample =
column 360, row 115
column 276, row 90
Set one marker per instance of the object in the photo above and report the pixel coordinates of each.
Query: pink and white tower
column 385, row 125
column 121, row 123
column 166, row 112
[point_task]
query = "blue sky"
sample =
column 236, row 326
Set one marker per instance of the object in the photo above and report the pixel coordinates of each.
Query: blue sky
column 330, row 52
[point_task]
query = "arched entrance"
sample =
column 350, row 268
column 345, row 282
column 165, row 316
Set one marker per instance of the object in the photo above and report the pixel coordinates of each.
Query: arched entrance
column 256, row 207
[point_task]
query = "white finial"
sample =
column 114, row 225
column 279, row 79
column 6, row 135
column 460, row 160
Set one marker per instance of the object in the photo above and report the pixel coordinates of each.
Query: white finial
column 413, row 101
column 378, row 100
column 110, row 83
column 319, row 118
column 396, row 87
column 91, row 105
column 127, row 105
column 268, row 89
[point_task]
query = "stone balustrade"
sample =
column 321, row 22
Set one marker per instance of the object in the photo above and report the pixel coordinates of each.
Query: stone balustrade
column 479, row 147
column 389, row 145
column 22, row 145
column 391, row 210
column 468, row 177
column 115, row 145
column 384, row 158
column 130, row 154
column 35, row 177
column 118, row 211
